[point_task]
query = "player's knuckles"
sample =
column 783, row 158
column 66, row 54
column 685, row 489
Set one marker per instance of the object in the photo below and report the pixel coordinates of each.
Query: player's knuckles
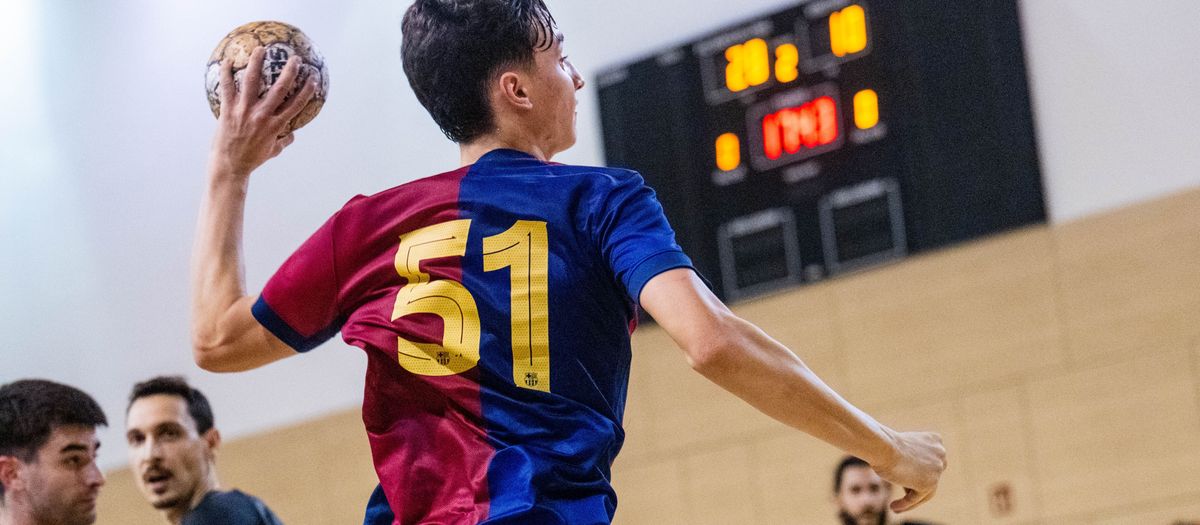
column 262, row 119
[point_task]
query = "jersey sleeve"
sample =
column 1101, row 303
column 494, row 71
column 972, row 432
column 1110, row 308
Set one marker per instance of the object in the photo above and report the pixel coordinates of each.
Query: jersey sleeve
column 299, row 304
column 635, row 238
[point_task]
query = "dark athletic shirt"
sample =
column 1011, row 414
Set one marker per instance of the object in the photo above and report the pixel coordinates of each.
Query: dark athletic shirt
column 230, row 508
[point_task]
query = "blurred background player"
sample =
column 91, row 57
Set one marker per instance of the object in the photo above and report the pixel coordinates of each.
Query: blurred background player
column 495, row 301
column 48, row 445
column 172, row 454
column 861, row 496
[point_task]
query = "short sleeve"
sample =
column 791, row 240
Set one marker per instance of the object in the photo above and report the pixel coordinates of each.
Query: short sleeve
column 299, row 303
column 636, row 239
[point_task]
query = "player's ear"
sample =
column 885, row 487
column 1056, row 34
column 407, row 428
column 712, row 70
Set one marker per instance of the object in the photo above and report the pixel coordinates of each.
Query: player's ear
column 10, row 473
column 513, row 91
column 213, row 439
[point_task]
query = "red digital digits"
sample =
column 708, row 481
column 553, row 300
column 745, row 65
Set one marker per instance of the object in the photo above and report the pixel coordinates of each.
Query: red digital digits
column 810, row 125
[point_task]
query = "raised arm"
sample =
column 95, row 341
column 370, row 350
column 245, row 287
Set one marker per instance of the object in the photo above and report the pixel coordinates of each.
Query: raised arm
column 225, row 335
column 744, row 360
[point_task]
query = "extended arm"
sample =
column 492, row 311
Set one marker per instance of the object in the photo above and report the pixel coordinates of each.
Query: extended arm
column 744, row 360
column 225, row 335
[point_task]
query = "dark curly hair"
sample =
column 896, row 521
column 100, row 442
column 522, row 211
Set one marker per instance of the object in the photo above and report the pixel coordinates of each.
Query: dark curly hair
column 453, row 48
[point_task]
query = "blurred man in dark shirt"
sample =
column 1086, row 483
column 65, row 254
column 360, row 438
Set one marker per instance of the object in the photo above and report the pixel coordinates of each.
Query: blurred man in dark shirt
column 172, row 453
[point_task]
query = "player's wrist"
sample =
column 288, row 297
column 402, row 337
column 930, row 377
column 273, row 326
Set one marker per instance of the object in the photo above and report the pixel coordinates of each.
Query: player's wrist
column 887, row 453
column 222, row 171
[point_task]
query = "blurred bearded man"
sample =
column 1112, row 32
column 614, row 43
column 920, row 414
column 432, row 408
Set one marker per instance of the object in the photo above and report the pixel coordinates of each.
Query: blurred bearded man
column 172, row 453
column 861, row 496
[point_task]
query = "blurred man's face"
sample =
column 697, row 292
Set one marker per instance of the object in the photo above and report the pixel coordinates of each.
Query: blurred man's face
column 63, row 481
column 170, row 460
column 863, row 498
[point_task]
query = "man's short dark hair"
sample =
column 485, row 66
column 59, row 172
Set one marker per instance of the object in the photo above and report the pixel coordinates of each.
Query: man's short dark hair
column 452, row 48
column 197, row 404
column 30, row 410
column 847, row 462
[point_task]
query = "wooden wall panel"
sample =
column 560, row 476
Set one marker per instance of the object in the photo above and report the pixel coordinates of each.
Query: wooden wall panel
column 1116, row 435
column 344, row 462
column 654, row 354
column 995, row 453
column 795, row 478
column 1196, row 372
column 1181, row 511
column 951, row 320
column 1131, row 278
column 650, row 492
column 719, row 487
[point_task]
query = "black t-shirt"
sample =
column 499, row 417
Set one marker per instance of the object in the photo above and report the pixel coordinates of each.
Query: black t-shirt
column 230, row 508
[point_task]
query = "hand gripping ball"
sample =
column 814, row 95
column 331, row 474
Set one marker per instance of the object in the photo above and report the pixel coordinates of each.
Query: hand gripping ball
column 281, row 42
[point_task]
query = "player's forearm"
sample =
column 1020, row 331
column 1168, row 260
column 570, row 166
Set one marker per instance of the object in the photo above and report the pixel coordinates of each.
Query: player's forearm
column 217, row 269
column 764, row 373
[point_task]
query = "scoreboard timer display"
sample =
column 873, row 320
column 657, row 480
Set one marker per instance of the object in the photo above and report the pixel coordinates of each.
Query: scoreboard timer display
column 831, row 136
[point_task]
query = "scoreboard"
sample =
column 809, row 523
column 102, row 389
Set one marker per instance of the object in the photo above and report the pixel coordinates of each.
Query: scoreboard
column 831, row 136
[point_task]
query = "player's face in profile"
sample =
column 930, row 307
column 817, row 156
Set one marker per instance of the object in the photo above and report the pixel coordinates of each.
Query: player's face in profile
column 863, row 498
column 63, row 481
column 168, row 457
column 555, row 81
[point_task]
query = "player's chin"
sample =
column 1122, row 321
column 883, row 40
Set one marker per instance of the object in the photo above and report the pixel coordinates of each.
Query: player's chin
column 567, row 140
column 84, row 514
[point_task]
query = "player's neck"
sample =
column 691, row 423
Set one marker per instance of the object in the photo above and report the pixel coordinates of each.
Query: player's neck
column 174, row 515
column 471, row 152
column 11, row 516
column 16, row 512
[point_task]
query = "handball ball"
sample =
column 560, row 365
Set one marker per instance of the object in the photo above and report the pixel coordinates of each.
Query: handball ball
column 281, row 42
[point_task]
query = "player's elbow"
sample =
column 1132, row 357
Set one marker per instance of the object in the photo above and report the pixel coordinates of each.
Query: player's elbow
column 208, row 355
column 211, row 361
column 718, row 347
column 205, row 357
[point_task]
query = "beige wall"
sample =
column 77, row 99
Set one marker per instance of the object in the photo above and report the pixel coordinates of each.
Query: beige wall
column 316, row 473
column 1061, row 361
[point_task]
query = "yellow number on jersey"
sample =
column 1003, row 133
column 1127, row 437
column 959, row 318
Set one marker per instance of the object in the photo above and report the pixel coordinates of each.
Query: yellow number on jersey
column 524, row 250
column 447, row 299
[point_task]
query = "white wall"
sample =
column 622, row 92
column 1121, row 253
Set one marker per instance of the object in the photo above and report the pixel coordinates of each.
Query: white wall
column 104, row 132
column 1116, row 95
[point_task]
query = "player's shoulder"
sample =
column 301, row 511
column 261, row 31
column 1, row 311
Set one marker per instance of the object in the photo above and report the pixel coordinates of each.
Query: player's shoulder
column 601, row 181
column 232, row 507
column 231, row 499
column 615, row 175
column 432, row 188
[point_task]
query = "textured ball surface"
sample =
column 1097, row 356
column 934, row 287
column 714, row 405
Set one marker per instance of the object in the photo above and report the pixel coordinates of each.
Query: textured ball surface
column 281, row 42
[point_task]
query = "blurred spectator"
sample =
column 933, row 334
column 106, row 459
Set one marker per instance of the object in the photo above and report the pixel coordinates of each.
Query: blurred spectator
column 172, row 453
column 48, row 445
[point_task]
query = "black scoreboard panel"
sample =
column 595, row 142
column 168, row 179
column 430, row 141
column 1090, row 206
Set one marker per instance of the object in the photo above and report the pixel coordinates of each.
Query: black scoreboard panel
column 832, row 135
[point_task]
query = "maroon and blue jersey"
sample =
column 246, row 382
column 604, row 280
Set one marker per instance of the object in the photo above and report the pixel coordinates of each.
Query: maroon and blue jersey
column 495, row 305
